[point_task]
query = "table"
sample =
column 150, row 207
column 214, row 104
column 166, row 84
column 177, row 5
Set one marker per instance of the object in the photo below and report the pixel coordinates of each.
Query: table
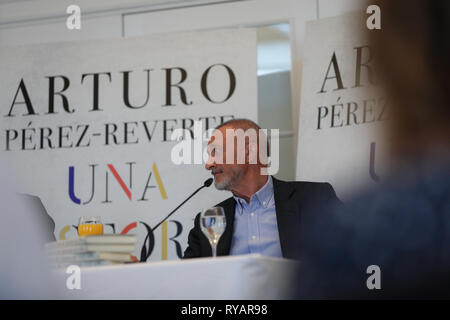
column 233, row 277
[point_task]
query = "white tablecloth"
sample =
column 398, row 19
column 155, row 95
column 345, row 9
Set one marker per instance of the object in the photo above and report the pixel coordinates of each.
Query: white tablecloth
column 234, row 277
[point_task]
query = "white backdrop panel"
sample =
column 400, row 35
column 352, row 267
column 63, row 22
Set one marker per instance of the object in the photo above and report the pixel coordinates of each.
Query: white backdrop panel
column 342, row 114
column 99, row 133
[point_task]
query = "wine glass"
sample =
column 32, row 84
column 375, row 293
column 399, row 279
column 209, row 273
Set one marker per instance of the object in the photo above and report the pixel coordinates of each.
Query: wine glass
column 212, row 223
column 88, row 226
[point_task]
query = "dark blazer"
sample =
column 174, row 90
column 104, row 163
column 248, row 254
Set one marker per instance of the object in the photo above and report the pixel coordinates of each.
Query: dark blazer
column 293, row 202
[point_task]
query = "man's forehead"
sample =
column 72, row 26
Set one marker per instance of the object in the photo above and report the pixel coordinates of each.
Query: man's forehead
column 218, row 136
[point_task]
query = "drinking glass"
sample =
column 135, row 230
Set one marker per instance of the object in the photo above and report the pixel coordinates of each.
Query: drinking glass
column 89, row 226
column 212, row 223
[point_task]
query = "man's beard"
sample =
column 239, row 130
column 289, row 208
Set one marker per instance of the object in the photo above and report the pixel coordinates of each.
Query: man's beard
column 228, row 183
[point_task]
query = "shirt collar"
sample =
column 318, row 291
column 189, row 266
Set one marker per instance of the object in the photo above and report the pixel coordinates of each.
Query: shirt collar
column 263, row 195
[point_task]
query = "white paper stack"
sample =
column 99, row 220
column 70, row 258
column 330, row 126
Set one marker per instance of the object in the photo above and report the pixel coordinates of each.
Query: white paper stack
column 91, row 250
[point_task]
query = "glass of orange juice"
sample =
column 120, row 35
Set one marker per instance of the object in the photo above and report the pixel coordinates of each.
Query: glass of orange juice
column 89, row 226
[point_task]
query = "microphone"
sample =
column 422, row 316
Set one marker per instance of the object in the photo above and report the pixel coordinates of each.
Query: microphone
column 208, row 182
column 144, row 255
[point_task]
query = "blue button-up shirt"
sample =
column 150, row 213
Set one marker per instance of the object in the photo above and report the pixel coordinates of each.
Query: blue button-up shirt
column 255, row 224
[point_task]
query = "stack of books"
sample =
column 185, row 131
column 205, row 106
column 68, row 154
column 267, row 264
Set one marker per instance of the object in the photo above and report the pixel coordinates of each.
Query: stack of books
column 91, row 251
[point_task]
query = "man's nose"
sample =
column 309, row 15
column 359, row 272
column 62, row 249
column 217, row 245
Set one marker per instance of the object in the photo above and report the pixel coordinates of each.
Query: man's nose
column 210, row 164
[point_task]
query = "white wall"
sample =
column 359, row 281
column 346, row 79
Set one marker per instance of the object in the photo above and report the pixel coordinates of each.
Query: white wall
column 274, row 103
column 331, row 8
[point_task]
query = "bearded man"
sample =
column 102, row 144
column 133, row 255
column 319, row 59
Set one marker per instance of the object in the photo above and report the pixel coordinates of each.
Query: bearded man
column 264, row 214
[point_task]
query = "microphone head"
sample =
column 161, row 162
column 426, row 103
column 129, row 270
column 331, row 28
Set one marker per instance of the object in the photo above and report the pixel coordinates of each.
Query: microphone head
column 208, row 182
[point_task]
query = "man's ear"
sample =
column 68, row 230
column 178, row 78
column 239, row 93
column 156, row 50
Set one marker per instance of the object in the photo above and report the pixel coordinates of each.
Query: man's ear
column 252, row 153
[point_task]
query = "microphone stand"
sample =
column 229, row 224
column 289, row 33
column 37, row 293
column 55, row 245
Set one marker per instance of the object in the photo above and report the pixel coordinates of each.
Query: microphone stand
column 144, row 255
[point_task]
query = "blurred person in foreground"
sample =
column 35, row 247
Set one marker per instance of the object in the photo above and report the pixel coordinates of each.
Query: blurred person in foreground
column 403, row 227
column 24, row 228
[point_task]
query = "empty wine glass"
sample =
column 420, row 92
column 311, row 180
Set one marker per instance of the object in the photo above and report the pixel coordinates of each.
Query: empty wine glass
column 212, row 223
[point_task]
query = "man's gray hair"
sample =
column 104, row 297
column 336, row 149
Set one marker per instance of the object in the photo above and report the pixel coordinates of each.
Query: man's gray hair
column 240, row 124
column 245, row 124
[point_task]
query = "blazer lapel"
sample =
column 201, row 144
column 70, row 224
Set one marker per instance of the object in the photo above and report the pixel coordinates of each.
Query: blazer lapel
column 288, row 217
column 224, row 245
